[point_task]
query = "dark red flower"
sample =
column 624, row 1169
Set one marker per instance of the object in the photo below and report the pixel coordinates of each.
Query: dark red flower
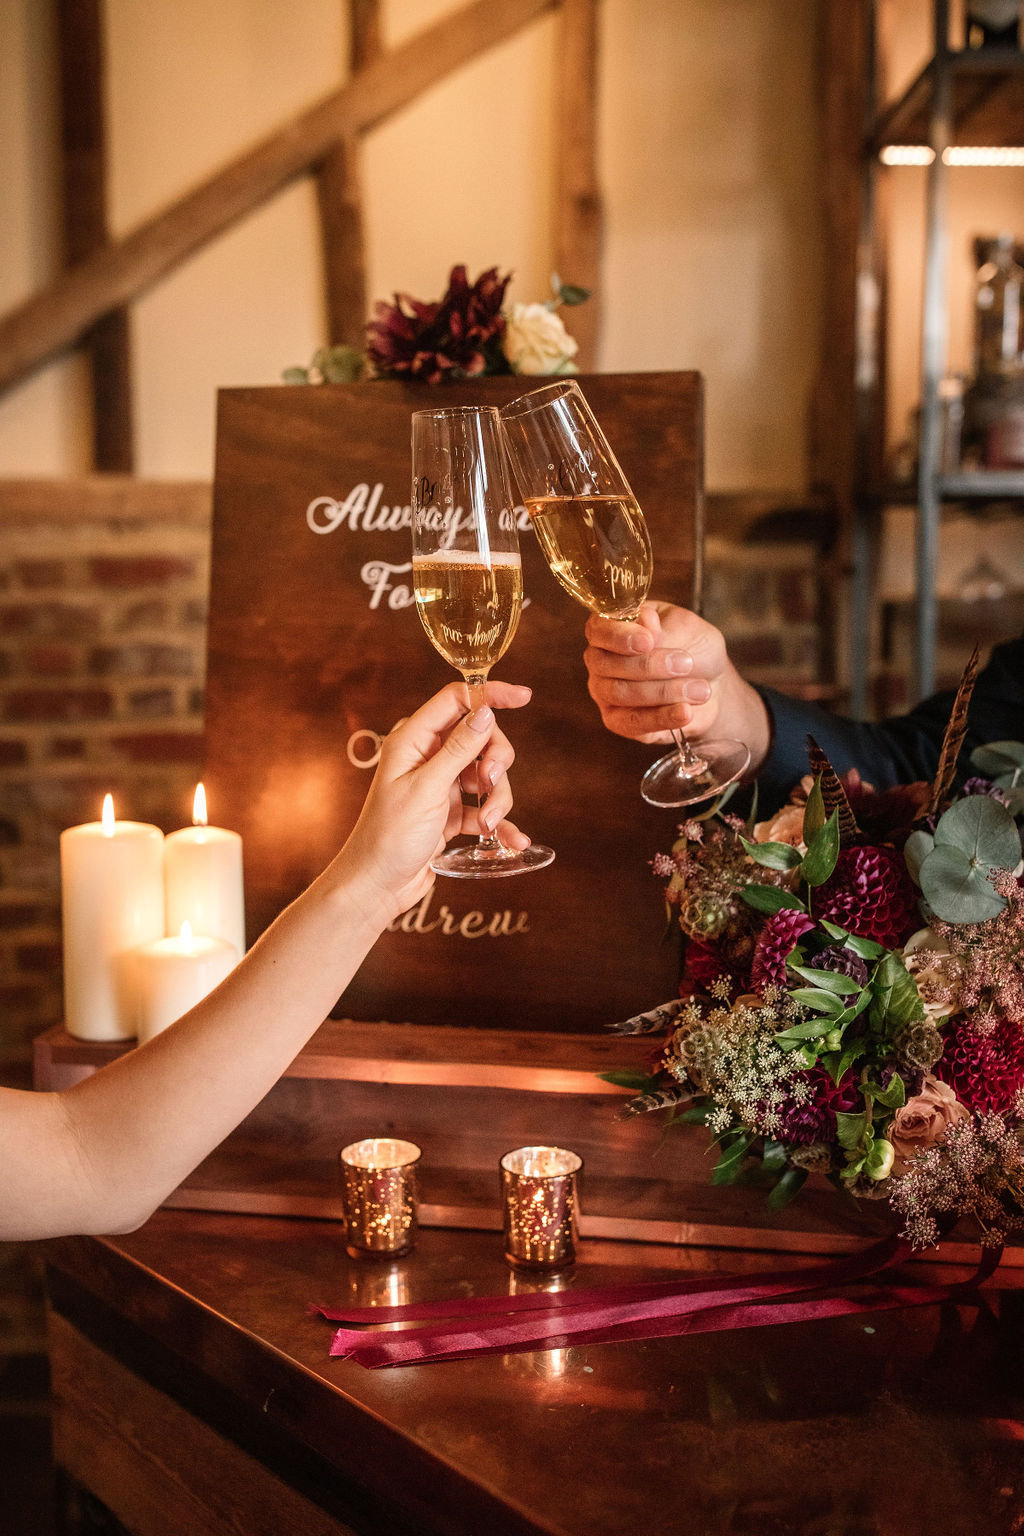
column 984, row 1067
column 815, row 1118
column 781, row 931
column 870, row 893
column 703, row 963
column 457, row 337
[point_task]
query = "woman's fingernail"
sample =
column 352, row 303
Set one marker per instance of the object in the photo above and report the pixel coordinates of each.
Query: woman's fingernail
column 492, row 773
column 697, row 692
column 488, row 818
column 679, row 663
column 481, row 719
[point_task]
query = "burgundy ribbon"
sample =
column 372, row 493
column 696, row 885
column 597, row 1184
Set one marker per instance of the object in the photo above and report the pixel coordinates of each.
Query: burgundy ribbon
column 645, row 1310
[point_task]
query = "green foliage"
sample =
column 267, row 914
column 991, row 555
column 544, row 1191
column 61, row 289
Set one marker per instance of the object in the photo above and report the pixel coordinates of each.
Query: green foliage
column 822, row 852
column 770, row 898
column 974, row 839
column 1003, row 763
column 895, row 1001
column 638, row 1082
column 781, row 856
column 814, row 812
column 787, row 1188
column 730, row 1162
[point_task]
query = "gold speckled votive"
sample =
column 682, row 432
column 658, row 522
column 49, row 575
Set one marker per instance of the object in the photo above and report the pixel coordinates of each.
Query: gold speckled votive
column 538, row 1189
column 378, row 1181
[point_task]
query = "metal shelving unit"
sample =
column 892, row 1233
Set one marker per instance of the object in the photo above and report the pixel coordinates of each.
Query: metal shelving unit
column 965, row 97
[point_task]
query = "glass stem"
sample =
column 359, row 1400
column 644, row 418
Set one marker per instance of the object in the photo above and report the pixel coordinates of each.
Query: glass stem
column 476, row 682
column 693, row 763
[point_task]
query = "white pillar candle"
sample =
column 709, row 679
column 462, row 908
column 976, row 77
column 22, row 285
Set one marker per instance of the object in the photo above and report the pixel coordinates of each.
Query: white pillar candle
column 112, row 900
column 203, row 879
column 173, row 974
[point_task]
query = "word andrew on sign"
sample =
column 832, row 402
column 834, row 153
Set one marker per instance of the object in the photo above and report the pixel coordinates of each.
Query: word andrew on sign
column 316, row 650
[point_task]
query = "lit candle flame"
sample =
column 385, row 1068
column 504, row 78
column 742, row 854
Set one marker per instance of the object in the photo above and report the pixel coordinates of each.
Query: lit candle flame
column 199, row 807
column 107, row 817
column 186, row 934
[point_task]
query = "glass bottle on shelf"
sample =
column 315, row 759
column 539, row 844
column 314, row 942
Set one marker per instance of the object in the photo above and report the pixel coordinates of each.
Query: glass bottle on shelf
column 998, row 307
column 993, row 23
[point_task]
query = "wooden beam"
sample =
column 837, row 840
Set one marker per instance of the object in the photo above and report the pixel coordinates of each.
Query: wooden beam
column 577, row 196
column 339, row 196
column 56, row 318
column 83, row 155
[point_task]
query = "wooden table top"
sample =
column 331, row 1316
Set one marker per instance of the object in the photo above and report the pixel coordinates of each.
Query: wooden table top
column 908, row 1421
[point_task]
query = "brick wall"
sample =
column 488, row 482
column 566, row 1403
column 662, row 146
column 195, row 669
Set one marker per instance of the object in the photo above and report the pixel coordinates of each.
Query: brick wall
column 103, row 589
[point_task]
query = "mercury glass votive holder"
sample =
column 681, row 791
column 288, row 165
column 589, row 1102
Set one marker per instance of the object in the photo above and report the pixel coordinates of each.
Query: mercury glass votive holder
column 378, row 1183
column 538, row 1192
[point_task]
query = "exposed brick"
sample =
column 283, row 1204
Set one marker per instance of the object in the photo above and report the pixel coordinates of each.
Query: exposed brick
column 20, row 915
column 41, row 573
column 140, row 660
column 16, row 620
column 64, row 621
column 139, row 570
column 67, row 749
column 160, row 747
column 58, row 704
column 51, row 660
column 152, row 703
column 13, row 754
column 39, row 957
column 150, row 614
column 195, row 611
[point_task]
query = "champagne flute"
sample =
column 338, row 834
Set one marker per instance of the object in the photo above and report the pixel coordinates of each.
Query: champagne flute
column 596, row 541
column 468, row 580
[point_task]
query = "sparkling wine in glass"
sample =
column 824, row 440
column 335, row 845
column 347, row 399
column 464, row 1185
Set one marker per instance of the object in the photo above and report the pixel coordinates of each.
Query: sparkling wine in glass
column 468, row 580
column 596, row 541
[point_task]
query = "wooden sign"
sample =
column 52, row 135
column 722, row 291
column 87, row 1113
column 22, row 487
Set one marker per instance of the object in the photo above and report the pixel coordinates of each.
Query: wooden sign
column 316, row 650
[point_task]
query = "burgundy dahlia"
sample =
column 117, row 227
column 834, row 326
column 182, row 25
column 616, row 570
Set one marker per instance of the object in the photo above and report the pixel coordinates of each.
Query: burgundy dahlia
column 814, row 1119
column 703, row 963
column 842, row 962
column 457, row 337
column 870, row 894
column 984, row 1067
column 776, row 939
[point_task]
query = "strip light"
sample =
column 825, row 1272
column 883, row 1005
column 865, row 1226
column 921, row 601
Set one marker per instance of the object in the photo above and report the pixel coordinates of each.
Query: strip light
column 956, row 154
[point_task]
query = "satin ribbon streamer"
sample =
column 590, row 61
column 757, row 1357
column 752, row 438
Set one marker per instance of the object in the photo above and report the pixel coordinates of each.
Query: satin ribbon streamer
column 647, row 1310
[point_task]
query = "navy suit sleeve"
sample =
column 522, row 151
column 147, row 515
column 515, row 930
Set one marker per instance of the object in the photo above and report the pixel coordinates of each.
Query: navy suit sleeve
column 900, row 749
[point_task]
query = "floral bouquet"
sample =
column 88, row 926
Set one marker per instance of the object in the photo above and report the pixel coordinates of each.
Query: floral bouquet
column 466, row 333
column 852, row 1002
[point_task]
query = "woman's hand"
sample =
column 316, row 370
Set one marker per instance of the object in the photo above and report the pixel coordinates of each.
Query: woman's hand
column 670, row 670
column 415, row 802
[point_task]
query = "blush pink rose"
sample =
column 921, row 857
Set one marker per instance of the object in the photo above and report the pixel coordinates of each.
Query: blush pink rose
column 921, row 1122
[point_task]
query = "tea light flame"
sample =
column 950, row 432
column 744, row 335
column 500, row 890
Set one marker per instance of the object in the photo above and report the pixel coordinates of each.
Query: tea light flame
column 107, row 816
column 186, row 934
column 199, row 807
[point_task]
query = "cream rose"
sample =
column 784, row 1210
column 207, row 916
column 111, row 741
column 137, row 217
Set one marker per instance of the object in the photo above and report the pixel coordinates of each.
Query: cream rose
column 536, row 341
column 925, row 956
column 786, row 826
column 921, row 1122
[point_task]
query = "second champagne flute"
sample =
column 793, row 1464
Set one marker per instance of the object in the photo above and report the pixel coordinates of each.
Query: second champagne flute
column 468, row 579
column 594, row 535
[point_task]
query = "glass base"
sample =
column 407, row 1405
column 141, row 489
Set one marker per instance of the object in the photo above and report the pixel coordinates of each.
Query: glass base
column 668, row 782
column 470, row 861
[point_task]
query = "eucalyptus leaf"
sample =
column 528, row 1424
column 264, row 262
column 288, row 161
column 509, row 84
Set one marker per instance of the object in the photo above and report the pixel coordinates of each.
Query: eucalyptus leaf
column 341, row 364
column 983, row 829
column 571, row 294
column 295, row 376
column 997, row 757
column 782, row 856
column 822, row 852
column 769, row 898
column 915, row 850
column 957, row 889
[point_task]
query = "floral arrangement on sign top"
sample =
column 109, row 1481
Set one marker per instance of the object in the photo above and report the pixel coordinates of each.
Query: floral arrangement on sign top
column 852, row 1001
column 466, row 333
